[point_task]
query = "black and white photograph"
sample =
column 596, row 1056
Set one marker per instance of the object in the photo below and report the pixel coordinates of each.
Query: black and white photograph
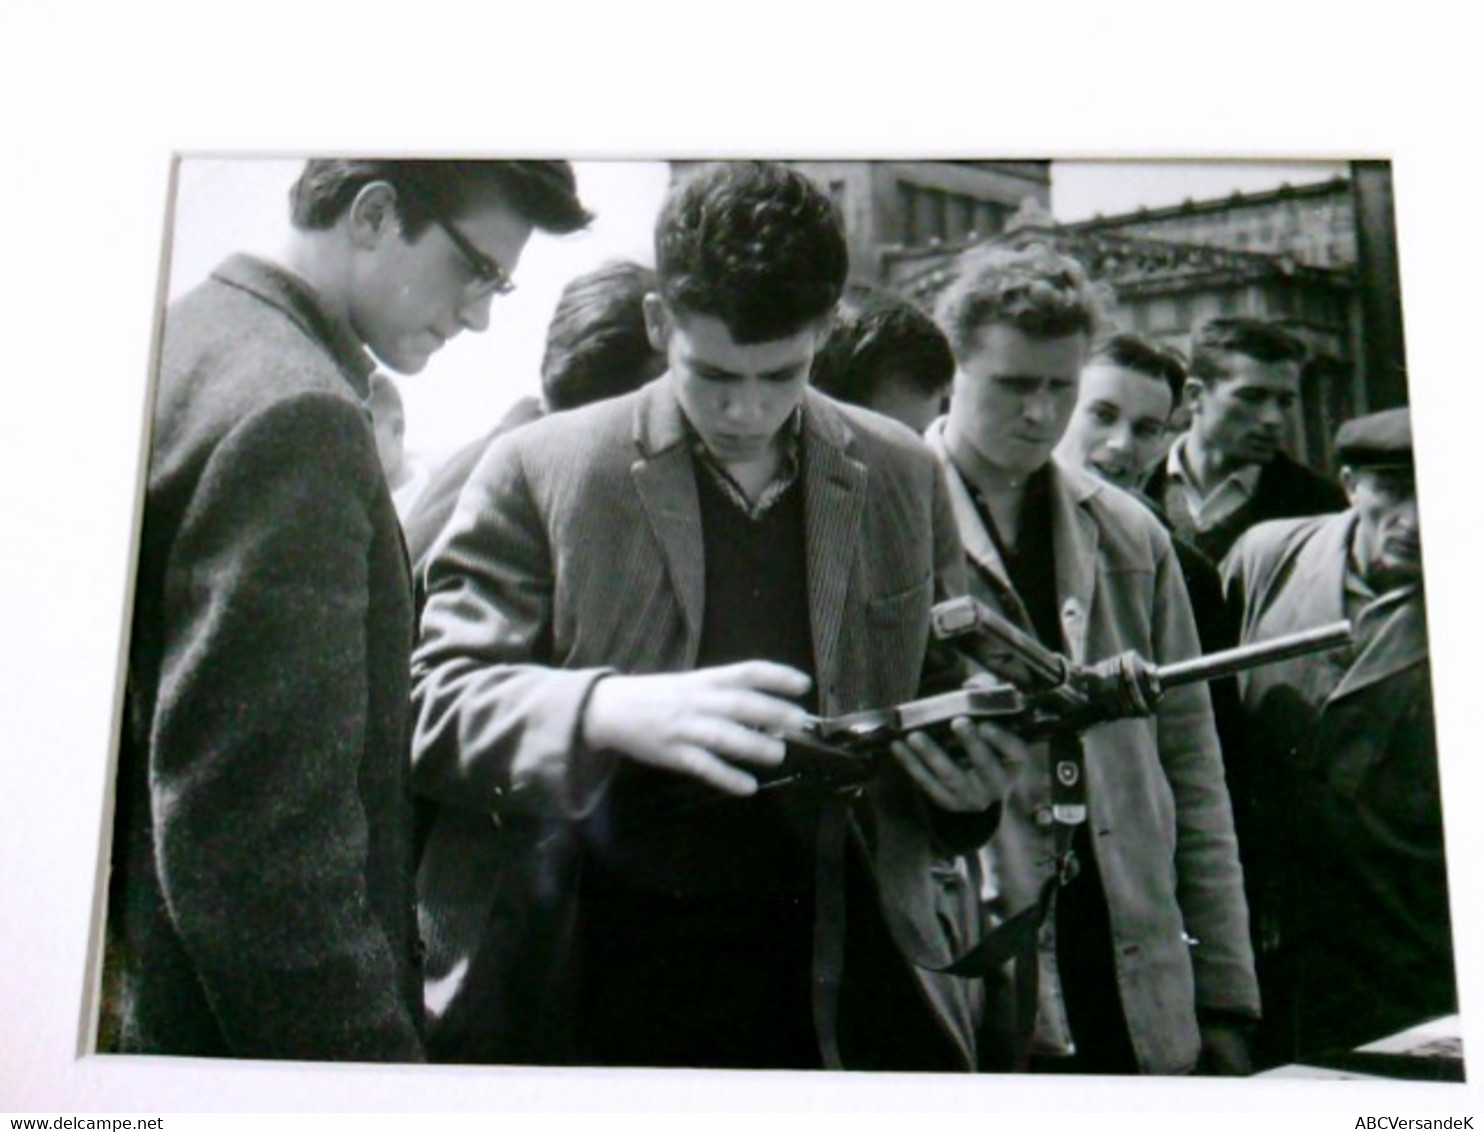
column 892, row 618
column 895, row 594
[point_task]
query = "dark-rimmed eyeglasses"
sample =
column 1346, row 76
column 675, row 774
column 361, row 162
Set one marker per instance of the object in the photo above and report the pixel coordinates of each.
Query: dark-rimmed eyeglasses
column 490, row 278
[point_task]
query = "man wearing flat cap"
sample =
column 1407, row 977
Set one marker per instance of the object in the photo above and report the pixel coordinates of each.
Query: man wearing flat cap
column 1346, row 746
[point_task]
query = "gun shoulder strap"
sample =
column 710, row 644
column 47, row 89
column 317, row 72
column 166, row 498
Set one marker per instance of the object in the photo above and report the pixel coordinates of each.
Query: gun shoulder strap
column 1016, row 938
column 829, row 927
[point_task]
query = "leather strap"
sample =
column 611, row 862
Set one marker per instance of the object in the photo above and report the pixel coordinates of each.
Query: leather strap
column 1017, row 938
column 829, row 927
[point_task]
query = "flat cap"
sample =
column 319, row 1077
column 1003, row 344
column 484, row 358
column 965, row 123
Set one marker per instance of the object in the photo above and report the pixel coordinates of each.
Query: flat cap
column 1378, row 440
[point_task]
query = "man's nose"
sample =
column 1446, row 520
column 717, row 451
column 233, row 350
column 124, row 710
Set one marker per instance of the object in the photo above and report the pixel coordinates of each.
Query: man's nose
column 745, row 404
column 1273, row 414
column 1120, row 438
column 474, row 314
column 1037, row 407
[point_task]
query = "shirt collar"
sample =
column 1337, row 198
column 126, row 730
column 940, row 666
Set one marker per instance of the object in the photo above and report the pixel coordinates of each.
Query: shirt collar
column 1245, row 478
column 788, row 471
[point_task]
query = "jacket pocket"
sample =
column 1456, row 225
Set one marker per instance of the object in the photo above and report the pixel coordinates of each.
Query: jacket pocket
column 892, row 641
column 890, row 605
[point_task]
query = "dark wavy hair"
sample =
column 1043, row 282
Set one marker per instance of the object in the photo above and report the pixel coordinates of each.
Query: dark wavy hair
column 878, row 336
column 753, row 243
column 544, row 193
column 597, row 345
column 1265, row 342
column 1142, row 355
column 1038, row 291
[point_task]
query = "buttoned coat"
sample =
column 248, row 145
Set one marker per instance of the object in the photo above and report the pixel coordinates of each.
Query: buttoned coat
column 261, row 900
column 1160, row 815
column 575, row 550
column 1345, row 744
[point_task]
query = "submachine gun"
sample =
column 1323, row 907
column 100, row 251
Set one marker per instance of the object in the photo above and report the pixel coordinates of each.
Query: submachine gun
column 1038, row 693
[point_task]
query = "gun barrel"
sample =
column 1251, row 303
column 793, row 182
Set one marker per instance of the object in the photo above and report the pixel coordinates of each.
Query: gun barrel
column 1229, row 661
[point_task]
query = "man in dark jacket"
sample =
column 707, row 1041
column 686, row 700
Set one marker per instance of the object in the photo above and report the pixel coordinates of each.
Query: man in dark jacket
column 1227, row 472
column 261, row 901
column 1353, row 814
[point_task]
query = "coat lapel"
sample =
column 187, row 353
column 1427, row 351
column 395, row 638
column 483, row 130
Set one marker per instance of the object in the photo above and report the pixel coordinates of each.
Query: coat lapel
column 664, row 479
column 1074, row 537
column 979, row 548
column 834, row 501
column 1316, row 582
column 1319, row 573
column 1399, row 642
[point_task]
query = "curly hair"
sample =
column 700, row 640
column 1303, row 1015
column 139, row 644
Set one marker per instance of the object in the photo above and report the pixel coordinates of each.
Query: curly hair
column 1038, row 291
column 544, row 193
column 597, row 345
column 753, row 243
column 876, row 336
column 1265, row 342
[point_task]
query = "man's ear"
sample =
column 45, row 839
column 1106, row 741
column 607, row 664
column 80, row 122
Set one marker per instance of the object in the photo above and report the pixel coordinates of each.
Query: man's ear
column 657, row 322
column 823, row 328
column 372, row 216
column 1348, row 480
column 1194, row 389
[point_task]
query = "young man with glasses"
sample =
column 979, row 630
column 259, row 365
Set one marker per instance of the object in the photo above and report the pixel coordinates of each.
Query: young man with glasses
column 261, row 901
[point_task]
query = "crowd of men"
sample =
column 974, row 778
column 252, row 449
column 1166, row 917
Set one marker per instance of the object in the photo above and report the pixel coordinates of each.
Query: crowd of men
column 523, row 783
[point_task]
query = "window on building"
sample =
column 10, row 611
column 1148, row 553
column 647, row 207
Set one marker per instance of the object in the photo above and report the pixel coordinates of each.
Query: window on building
column 989, row 218
column 929, row 214
column 960, row 217
column 907, row 204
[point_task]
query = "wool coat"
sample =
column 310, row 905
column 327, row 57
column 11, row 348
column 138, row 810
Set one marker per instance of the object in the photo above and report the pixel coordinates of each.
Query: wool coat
column 576, row 550
column 261, row 898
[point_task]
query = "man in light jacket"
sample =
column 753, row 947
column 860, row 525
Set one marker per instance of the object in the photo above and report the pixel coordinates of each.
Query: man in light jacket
column 1144, row 963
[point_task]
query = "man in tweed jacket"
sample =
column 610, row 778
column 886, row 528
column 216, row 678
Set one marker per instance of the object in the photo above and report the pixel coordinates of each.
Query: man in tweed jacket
column 261, row 903
column 628, row 606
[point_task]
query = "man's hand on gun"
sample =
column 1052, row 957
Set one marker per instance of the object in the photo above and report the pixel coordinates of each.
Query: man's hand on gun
column 720, row 725
column 983, row 772
column 738, row 726
column 725, row 726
